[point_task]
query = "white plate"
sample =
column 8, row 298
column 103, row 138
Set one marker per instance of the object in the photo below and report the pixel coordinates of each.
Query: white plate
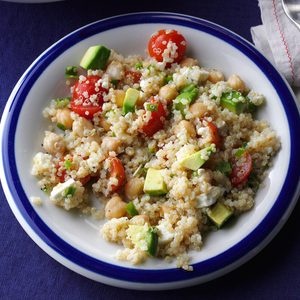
column 74, row 240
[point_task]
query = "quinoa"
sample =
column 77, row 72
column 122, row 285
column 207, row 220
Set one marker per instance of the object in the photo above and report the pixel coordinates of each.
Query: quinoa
column 106, row 152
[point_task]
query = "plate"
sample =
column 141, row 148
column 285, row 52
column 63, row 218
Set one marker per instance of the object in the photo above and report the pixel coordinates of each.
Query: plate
column 74, row 240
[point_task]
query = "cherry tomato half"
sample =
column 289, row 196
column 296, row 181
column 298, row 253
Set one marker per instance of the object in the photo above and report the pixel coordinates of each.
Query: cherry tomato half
column 116, row 170
column 215, row 137
column 158, row 43
column 133, row 76
column 241, row 169
column 82, row 101
column 156, row 121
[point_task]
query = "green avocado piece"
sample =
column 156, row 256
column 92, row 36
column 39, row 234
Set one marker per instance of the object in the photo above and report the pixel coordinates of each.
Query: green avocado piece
column 231, row 102
column 152, row 241
column 95, row 57
column 219, row 214
column 196, row 160
column 154, row 183
column 187, row 95
column 131, row 210
column 131, row 97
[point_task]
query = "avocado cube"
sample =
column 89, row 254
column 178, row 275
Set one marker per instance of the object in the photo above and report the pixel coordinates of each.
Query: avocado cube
column 154, row 183
column 196, row 160
column 232, row 103
column 219, row 214
column 131, row 97
column 95, row 57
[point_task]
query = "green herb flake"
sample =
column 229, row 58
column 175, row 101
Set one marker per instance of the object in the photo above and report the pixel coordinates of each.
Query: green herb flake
column 62, row 102
column 61, row 126
column 240, row 151
column 46, row 189
column 68, row 164
column 71, row 72
column 114, row 82
column 70, row 191
column 168, row 78
column 151, row 107
column 224, row 167
column 139, row 65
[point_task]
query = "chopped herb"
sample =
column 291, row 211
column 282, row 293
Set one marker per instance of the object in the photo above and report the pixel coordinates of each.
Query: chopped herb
column 113, row 134
column 139, row 65
column 151, row 107
column 61, row 126
column 114, row 82
column 240, row 151
column 62, row 102
column 71, row 72
column 195, row 174
column 168, row 78
column 131, row 210
column 68, row 164
column 46, row 189
column 253, row 181
column 152, row 149
column 224, row 167
column 70, row 191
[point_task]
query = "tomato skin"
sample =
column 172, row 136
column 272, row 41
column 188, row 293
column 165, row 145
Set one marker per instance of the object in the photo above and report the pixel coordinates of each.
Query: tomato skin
column 241, row 169
column 215, row 137
column 159, row 41
column 135, row 77
column 87, row 88
column 85, row 180
column 116, row 170
column 155, row 123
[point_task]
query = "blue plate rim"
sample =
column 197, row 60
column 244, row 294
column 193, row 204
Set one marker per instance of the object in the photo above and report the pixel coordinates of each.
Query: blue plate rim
column 214, row 264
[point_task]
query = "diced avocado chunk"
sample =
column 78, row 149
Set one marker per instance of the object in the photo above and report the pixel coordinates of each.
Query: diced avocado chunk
column 143, row 237
column 131, row 97
column 152, row 241
column 95, row 57
column 154, row 183
column 196, row 160
column 219, row 214
column 187, row 95
column 131, row 210
column 234, row 101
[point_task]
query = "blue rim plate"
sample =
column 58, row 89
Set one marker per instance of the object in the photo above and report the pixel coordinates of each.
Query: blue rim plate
column 130, row 277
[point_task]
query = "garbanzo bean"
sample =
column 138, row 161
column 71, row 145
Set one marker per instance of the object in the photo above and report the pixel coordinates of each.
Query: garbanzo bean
column 54, row 143
column 119, row 97
column 115, row 208
column 188, row 126
column 236, row 83
column 63, row 116
column 215, row 76
column 198, row 110
column 104, row 124
column 188, row 62
column 168, row 92
column 134, row 188
column 80, row 125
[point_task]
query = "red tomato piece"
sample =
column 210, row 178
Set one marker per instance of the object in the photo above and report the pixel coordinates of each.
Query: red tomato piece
column 158, row 43
column 156, row 121
column 61, row 172
column 87, row 97
column 133, row 76
column 116, row 170
column 85, row 179
column 215, row 137
column 241, row 169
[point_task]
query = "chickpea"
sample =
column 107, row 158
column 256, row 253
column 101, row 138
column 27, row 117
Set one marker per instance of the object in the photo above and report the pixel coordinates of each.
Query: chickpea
column 198, row 109
column 115, row 208
column 104, row 124
column 187, row 126
column 168, row 92
column 63, row 116
column 134, row 188
column 110, row 144
column 236, row 83
column 188, row 62
column 165, row 209
column 80, row 125
column 54, row 143
column 139, row 220
column 119, row 97
column 215, row 76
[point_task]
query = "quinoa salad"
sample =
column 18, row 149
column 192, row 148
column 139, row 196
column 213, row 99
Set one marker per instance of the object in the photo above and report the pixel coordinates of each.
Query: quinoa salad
column 169, row 149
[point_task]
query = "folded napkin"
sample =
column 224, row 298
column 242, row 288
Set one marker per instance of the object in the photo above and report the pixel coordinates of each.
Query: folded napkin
column 279, row 39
